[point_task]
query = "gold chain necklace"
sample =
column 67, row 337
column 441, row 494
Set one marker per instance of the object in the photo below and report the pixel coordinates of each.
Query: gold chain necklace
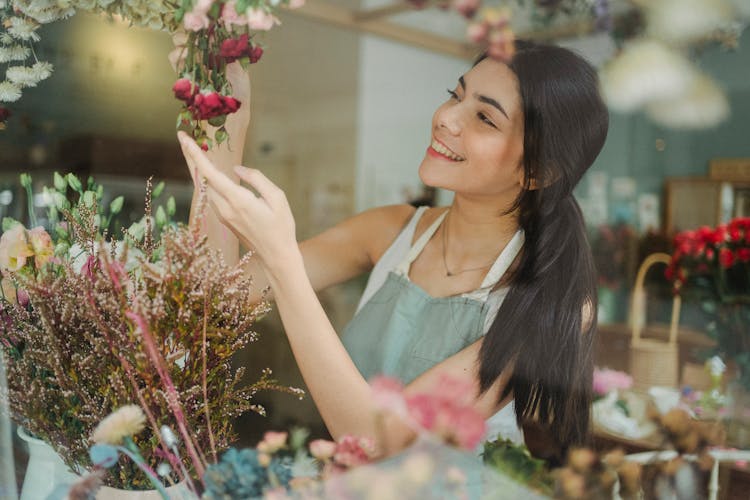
column 448, row 272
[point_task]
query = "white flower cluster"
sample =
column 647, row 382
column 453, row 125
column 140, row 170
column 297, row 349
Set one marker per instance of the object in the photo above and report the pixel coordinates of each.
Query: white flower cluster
column 653, row 73
column 22, row 19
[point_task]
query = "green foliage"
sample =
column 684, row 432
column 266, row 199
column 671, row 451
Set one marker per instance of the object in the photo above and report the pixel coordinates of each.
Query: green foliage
column 516, row 462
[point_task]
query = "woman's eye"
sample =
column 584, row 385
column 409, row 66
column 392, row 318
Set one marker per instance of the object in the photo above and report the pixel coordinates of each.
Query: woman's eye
column 452, row 94
column 486, row 120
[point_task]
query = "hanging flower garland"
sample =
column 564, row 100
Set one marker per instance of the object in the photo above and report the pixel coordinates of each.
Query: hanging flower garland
column 219, row 33
column 652, row 70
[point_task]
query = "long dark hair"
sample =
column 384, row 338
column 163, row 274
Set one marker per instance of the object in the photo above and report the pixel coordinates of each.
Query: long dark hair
column 544, row 329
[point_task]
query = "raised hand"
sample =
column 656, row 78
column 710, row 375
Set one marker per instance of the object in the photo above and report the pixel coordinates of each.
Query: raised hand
column 262, row 222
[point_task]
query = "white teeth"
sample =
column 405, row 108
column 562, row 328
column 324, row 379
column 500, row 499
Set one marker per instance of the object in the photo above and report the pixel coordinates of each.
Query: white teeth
column 445, row 151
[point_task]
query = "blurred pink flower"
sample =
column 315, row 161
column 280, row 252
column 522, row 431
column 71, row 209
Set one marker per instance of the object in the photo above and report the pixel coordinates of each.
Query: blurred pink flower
column 388, row 395
column 352, row 451
column 230, row 16
column 195, row 21
column 272, row 442
column 606, row 380
column 259, row 19
column 14, row 249
column 322, row 449
column 296, row 4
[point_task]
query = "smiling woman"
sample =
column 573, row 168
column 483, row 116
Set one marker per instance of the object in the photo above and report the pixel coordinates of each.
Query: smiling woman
column 513, row 308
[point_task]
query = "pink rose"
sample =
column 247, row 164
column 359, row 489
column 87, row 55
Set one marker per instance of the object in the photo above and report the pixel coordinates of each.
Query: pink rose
column 229, row 15
column 259, row 19
column 352, row 451
column 296, row 4
column 477, row 32
column 195, row 21
column 203, row 6
column 41, row 244
column 322, row 449
column 14, row 249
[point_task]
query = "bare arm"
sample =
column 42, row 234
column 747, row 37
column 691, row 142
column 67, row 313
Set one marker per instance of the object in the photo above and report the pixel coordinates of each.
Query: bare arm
column 341, row 393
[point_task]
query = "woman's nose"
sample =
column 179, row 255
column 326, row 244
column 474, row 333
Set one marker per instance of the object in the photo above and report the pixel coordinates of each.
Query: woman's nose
column 449, row 118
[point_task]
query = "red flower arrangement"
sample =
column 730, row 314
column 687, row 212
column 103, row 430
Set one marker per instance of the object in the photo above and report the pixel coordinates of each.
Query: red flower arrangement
column 712, row 266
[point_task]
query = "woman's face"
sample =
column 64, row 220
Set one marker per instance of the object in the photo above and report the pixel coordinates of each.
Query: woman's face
column 477, row 136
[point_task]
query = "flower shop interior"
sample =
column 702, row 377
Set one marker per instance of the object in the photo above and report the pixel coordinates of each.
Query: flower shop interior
column 341, row 104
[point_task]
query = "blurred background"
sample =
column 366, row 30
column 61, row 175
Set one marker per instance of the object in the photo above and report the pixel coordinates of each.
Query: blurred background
column 341, row 110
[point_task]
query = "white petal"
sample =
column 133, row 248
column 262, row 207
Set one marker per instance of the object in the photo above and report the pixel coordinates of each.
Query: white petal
column 682, row 21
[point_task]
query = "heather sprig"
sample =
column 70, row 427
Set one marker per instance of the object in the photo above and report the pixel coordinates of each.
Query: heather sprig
column 127, row 327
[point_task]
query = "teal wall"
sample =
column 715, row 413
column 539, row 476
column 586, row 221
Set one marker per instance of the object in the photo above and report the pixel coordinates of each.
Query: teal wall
column 630, row 150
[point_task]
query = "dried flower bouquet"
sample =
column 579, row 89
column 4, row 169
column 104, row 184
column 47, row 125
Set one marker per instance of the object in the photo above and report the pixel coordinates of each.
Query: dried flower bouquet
column 153, row 322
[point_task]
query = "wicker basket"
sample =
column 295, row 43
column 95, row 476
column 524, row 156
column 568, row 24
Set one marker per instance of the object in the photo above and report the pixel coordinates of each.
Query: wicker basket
column 652, row 362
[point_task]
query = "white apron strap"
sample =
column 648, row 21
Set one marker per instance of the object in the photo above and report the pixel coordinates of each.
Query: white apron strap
column 416, row 249
column 499, row 268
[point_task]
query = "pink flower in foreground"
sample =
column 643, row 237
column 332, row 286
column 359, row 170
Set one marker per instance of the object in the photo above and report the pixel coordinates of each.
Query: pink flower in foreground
column 352, row 451
column 322, row 449
column 12, row 294
column 14, row 249
column 195, row 21
column 388, row 395
column 272, row 442
column 296, row 4
column 259, row 19
column 606, row 380
column 203, row 6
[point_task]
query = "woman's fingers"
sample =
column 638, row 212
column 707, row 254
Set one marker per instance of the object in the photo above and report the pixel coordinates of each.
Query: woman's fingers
column 258, row 181
column 220, row 182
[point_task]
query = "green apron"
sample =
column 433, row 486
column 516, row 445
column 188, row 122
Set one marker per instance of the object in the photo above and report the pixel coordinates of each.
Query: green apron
column 402, row 331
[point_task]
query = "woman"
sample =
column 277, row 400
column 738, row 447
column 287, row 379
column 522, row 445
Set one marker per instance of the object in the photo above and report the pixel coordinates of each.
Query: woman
column 500, row 285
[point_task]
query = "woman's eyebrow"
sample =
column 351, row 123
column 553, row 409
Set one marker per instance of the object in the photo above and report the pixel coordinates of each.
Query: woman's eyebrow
column 482, row 98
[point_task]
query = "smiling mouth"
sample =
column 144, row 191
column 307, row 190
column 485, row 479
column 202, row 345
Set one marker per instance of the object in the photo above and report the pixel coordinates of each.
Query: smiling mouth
column 438, row 149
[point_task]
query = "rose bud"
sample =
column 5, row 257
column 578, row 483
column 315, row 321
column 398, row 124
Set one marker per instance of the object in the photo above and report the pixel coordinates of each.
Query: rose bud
column 185, row 90
column 255, row 54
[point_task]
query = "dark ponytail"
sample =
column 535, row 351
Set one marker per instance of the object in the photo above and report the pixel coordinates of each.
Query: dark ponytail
column 544, row 329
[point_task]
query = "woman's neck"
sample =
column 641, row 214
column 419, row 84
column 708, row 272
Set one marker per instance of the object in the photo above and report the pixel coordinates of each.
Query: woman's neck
column 477, row 230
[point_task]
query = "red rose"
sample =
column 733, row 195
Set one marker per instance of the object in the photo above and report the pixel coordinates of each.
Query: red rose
column 719, row 236
column 4, row 114
column 726, row 258
column 734, row 233
column 185, row 90
column 710, row 254
column 704, row 234
column 235, row 48
column 206, row 106
column 255, row 54
column 669, row 273
column 230, row 104
column 743, row 254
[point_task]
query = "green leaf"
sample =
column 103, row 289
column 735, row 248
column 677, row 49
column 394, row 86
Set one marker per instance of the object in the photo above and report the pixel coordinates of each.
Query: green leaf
column 61, row 249
column 161, row 217
column 74, row 183
column 116, row 205
column 9, row 223
column 171, row 206
column 60, row 183
column 156, row 192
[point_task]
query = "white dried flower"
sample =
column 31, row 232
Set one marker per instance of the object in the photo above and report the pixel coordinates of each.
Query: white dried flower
column 42, row 70
column 683, row 21
column 6, row 39
column 14, row 53
column 168, row 436
column 23, row 28
column 44, row 12
column 23, row 76
column 126, row 421
column 644, row 71
column 703, row 105
column 9, row 92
